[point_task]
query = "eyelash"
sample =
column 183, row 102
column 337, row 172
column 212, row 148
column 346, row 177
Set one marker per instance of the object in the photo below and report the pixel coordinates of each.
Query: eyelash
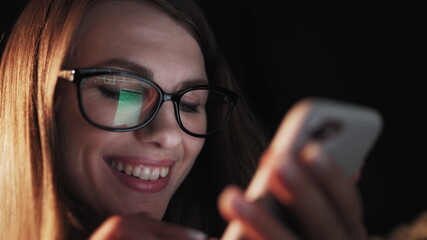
column 193, row 108
column 108, row 93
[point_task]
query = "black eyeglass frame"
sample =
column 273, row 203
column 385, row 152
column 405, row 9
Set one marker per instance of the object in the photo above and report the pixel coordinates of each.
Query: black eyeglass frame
column 77, row 75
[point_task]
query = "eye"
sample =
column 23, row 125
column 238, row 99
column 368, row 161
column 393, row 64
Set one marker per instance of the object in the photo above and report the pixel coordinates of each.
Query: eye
column 189, row 107
column 109, row 93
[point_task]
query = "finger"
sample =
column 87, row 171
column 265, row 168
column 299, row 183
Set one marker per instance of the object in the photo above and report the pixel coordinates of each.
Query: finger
column 308, row 204
column 255, row 222
column 138, row 226
column 113, row 228
column 168, row 229
column 338, row 188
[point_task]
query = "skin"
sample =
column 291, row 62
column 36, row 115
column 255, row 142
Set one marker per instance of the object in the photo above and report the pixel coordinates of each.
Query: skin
column 144, row 35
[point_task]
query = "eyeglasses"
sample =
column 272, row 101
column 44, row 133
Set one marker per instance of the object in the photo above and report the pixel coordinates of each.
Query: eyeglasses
column 120, row 101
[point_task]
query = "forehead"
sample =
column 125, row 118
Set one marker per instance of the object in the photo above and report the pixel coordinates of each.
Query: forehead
column 112, row 13
column 135, row 31
column 140, row 19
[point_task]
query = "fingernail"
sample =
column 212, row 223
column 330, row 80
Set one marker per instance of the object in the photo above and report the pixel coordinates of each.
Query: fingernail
column 289, row 171
column 240, row 205
column 314, row 154
column 320, row 159
column 196, row 235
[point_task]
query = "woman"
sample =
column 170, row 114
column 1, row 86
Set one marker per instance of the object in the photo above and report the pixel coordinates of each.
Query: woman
column 78, row 162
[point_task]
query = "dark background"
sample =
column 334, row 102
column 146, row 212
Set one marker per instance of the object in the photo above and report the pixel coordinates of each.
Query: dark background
column 370, row 52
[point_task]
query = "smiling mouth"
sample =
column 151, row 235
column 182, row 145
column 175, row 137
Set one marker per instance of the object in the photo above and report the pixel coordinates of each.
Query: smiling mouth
column 143, row 173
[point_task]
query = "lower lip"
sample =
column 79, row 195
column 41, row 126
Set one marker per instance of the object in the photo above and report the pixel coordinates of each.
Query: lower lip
column 139, row 185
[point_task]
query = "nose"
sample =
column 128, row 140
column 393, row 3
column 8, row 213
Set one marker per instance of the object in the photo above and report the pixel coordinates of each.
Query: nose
column 163, row 130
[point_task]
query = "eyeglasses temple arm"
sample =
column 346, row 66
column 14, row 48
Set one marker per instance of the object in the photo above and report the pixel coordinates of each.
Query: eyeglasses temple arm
column 67, row 74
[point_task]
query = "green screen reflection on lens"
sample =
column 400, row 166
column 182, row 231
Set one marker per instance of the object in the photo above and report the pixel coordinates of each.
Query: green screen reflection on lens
column 128, row 108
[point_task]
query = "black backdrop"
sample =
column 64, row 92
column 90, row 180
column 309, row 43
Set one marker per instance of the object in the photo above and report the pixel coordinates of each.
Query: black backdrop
column 369, row 52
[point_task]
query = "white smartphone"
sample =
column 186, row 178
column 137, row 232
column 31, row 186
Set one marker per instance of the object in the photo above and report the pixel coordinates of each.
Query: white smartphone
column 345, row 131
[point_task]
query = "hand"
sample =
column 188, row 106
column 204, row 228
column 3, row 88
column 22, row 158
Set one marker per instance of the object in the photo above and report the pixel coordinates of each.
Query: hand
column 323, row 201
column 140, row 226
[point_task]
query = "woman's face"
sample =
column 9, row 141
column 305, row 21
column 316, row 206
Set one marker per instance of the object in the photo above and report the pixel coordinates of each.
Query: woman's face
column 136, row 37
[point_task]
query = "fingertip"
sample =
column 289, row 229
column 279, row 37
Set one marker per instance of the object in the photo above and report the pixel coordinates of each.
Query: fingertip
column 310, row 152
column 108, row 229
column 227, row 199
column 315, row 156
column 229, row 193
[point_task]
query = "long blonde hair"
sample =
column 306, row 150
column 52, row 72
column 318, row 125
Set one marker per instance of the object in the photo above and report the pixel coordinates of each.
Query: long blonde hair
column 28, row 75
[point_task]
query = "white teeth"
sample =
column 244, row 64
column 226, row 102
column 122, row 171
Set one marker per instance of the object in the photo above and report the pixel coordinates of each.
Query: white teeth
column 120, row 166
column 136, row 171
column 145, row 174
column 128, row 169
column 155, row 174
column 164, row 172
column 142, row 173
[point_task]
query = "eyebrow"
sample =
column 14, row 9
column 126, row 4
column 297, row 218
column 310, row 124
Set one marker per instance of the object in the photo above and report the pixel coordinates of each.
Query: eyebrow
column 147, row 73
column 129, row 66
column 192, row 83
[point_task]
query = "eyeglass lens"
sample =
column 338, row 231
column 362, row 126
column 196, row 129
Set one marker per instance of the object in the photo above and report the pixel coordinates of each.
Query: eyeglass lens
column 122, row 102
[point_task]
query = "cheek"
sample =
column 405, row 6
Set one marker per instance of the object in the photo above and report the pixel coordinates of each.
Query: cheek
column 194, row 145
column 193, row 148
column 69, row 123
column 75, row 138
column 80, row 148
